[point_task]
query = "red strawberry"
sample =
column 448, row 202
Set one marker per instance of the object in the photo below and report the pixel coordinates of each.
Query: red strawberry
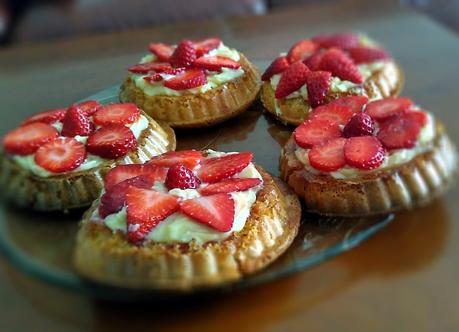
column 190, row 79
column 316, row 131
column 318, row 84
column 276, row 67
column 112, row 141
column 360, row 124
column 61, row 155
column 145, row 68
column 384, row 108
column 50, row 116
column 418, row 116
column 145, row 210
column 355, row 103
column 399, row 132
column 229, row 186
column 124, row 113
column 204, row 46
column 339, row 64
column 215, row 211
column 216, row 63
column 182, row 177
column 329, row 156
column 334, row 113
column 184, row 55
column 153, row 78
column 27, row 139
column 301, row 50
column 89, row 106
column 292, row 79
column 365, row 152
column 313, row 61
column 339, row 40
column 219, row 168
column 188, row 158
column 162, row 51
column 76, row 122
column 362, row 54
column 123, row 172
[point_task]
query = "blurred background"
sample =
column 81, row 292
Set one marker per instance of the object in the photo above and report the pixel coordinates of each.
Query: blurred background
column 32, row 21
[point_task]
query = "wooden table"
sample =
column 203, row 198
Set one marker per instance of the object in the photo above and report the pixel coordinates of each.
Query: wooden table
column 403, row 279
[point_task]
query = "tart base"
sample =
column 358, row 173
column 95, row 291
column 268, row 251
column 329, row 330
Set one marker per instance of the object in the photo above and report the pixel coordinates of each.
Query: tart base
column 199, row 110
column 107, row 257
column 76, row 189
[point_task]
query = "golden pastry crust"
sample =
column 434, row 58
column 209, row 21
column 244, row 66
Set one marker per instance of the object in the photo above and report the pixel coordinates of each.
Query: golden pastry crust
column 77, row 189
column 109, row 258
column 199, row 110
column 386, row 82
column 407, row 186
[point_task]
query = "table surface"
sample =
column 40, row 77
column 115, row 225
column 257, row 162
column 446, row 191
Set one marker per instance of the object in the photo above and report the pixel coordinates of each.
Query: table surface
column 403, row 279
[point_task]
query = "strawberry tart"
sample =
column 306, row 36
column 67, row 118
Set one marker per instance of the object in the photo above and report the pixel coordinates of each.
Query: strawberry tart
column 55, row 160
column 193, row 83
column 386, row 156
column 186, row 219
column 318, row 70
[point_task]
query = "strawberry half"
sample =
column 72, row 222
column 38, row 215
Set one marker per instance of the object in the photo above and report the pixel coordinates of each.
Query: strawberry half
column 49, row 117
column 216, row 63
column 229, row 186
column 400, row 131
column 329, row 156
column 385, row 108
column 204, row 46
column 365, row 152
column 121, row 173
column 292, row 79
column 218, row 168
column 188, row 158
column 162, row 51
column 189, row 79
column 301, row 50
column 340, row 64
column 334, row 113
column 27, row 139
column 340, row 40
column 124, row 113
column 362, row 54
column 145, row 68
column 61, row 155
column 111, row 142
column 76, row 122
column 318, row 84
column 89, row 106
column 355, row 103
column 361, row 124
column 276, row 67
column 184, row 54
column 145, row 210
column 180, row 176
column 215, row 211
column 316, row 131
column 313, row 61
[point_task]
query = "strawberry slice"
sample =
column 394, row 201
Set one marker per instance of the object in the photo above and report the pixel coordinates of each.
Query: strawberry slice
column 145, row 210
column 340, row 64
column 89, row 106
column 216, row 63
column 162, row 51
column 316, row 131
column 329, row 156
column 180, row 176
column 313, row 61
column 76, row 122
column 355, row 103
column 292, row 79
column 49, row 117
column 229, row 186
column 276, row 67
column 145, row 68
column 218, row 168
column 340, row 40
column 400, row 131
column 27, row 139
column 184, row 55
column 61, row 155
column 318, row 84
column 364, row 152
column 215, row 211
column 362, row 54
column 153, row 78
column 124, row 113
column 334, row 113
column 204, row 46
column 385, row 108
column 301, row 50
column 112, row 141
column 188, row 158
column 417, row 116
column 189, row 79
column 121, row 173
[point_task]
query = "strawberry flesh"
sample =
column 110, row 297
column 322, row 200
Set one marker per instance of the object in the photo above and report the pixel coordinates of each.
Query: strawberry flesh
column 188, row 158
column 124, row 113
column 400, row 131
column 76, row 122
column 292, row 79
column 313, row 61
column 189, row 79
column 27, row 139
column 111, row 142
column 329, row 156
column 276, row 67
column 318, row 84
column 61, row 155
column 147, row 67
column 89, row 106
column 216, row 63
column 49, row 117
column 340, row 64
column 230, row 185
column 162, row 51
column 387, row 107
column 301, row 50
column 340, row 40
column 180, row 176
column 206, row 45
column 355, row 103
column 365, row 152
column 316, row 131
column 334, row 113
column 362, row 54
column 121, row 173
column 219, row 168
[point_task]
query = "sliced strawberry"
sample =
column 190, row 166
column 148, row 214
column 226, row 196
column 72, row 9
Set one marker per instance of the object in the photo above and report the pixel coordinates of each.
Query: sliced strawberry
column 184, row 55
column 399, row 132
column 340, row 40
column 49, row 117
column 340, row 64
column 153, row 78
column 145, row 68
column 215, row 211
column 216, row 63
column 313, row 61
column 365, row 152
column 316, row 131
column 204, row 46
column 318, row 84
column 61, row 155
column 188, row 158
column 355, row 103
column 112, row 141
column 123, row 172
column 190, row 79
column 76, row 122
column 385, row 108
column 27, row 139
column 145, row 210
column 362, row 54
column 124, row 113
column 334, row 113
column 229, row 186
column 276, row 67
column 301, row 50
column 329, row 156
column 361, row 124
column 89, row 106
column 219, row 168
column 418, row 116
column 162, row 51
column 180, row 176
column 292, row 79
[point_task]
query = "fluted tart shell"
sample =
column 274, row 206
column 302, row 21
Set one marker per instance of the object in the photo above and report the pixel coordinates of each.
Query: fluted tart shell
column 199, row 110
column 76, row 189
column 386, row 82
column 406, row 186
column 106, row 257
